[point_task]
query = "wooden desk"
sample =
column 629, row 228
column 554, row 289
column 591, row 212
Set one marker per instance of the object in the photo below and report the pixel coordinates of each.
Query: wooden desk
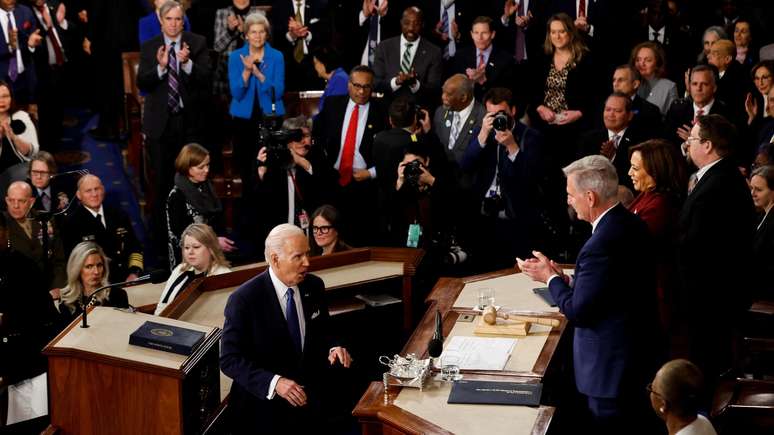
column 408, row 411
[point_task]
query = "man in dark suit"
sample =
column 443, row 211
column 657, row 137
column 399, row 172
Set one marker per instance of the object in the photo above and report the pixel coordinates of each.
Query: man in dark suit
column 409, row 64
column 299, row 26
column 275, row 343
column 734, row 83
column 20, row 38
column 51, row 194
column 616, row 347
column 615, row 139
column 512, row 183
column 460, row 15
column 174, row 73
column 667, row 33
column 523, row 29
column 482, row 62
column 716, row 224
column 647, row 117
column 684, row 112
column 359, row 27
column 454, row 122
column 109, row 227
column 347, row 143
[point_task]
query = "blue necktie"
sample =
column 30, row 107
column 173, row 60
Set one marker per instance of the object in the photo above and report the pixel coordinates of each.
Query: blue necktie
column 291, row 314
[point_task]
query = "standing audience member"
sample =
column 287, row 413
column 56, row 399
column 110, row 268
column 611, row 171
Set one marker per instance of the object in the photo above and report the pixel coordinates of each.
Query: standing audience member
column 299, row 26
column 361, row 28
column 150, row 25
column 229, row 36
column 483, row 63
column 256, row 75
column 746, row 43
column 734, row 82
column 276, row 346
column 658, row 177
column 762, row 189
column 201, row 256
column 18, row 136
column 649, row 59
column 21, row 38
column 616, row 343
column 327, row 63
column 110, row 228
column 685, row 112
column 715, row 222
column 409, row 64
column 455, row 120
column 563, row 100
column 50, row 194
column 676, row 395
column 326, row 232
column 193, row 200
column 87, row 271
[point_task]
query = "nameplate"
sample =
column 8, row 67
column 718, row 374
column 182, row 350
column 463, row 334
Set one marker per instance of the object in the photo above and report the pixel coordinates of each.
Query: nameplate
column 166, row 338
column 495, row 393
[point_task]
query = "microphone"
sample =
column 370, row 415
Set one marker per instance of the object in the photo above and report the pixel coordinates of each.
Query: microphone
column 273, row 102
column 154, row 277
column 435, row 345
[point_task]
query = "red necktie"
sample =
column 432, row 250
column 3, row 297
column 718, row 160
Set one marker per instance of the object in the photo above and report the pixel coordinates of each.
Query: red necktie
column 699, row 113
column 581, row 8
column 348, row 153
column 481, row 60
column 50, row 34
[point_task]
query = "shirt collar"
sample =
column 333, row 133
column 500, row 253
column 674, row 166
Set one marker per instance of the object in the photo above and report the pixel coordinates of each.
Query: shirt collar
column 707, row 107
column 279, row 287
column 486, row 52
column 351, row 105
column 703, row 170
column 464, row 113
column 46, row 190
column 100, row 212
column 611, row 133
column 599, row 218
column 403, row 42
column 168, row 40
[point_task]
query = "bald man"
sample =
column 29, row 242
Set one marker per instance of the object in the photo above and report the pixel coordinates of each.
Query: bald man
column 111, row 228
column 25, row 236
column 734, row 83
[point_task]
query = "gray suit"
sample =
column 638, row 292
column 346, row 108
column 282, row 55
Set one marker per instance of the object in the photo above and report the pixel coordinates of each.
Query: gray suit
column 443, row 129
column 427, row 64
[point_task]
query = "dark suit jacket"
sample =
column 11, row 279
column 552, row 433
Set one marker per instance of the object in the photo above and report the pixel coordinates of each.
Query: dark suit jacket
column 681, row 113
column 117, row 240
column 57, row 189
column 442, row 130
column 41, row 53
column 591, row 142
column 54, row 272
column 282, row 10
column 26, row 24
column 256, row 345
column 194, row 87
column 499, row 68
column 427, row 65
column 578, row 93
column 465, row 11
column 733, row 88
column 615, row 329
column 330, row 123
column 647, row 118
column 350, row 36
column 763, row 256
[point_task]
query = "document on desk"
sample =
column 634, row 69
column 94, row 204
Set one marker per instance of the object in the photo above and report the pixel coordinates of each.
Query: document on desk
column 478, row 353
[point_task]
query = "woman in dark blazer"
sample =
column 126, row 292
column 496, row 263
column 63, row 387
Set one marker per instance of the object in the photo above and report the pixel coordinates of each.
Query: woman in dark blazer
column 762, row 190
column 658, row 175
column 560, row 109
column 256, row 74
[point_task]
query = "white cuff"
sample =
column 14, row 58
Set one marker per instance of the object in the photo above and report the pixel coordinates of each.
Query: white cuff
column 272, row 387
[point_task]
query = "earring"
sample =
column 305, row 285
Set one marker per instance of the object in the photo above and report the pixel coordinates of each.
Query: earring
column 661, row 410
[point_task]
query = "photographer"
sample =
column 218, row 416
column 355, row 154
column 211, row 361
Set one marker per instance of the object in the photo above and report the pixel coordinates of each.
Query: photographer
column 513, row 183
column 291, row 178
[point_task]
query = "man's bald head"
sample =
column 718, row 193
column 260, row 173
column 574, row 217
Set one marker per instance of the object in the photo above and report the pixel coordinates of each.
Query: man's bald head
column 19, row 200
column 457, row 92
column 681, row 384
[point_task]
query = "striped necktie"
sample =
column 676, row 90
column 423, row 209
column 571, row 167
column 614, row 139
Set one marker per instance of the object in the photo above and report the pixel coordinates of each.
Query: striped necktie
column 298, row 52
column 173, row 96
column 13, row 67
column 405, row 63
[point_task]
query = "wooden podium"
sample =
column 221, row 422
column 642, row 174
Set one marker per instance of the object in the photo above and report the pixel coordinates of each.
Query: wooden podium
column 100, row 384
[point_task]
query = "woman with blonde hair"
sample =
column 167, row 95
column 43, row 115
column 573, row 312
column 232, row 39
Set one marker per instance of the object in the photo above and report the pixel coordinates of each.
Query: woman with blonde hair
column 87, row 270
column 201, row 256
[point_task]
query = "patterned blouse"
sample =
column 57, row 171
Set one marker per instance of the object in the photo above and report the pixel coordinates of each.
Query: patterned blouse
column 556, row 85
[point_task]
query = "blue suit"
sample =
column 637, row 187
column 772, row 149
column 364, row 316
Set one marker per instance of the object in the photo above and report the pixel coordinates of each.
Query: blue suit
column 26, row 24
column 256, row 345
column 612, row 305
column 243, row 97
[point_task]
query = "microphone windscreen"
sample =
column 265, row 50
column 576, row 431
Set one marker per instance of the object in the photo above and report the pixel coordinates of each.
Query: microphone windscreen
column 158, row 276
column 435, row 348
column 18, row 126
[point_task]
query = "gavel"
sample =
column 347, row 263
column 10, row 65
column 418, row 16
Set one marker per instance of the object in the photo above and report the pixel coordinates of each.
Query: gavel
column 491, row 314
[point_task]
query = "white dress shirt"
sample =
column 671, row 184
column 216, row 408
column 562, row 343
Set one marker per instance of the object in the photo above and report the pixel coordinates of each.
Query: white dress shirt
column 53, row 31
column 359, row 161
column 4, row 17
column 412, row 52
column 451, row 11
column 281, row 289
column 703, row 170
column 308, row 38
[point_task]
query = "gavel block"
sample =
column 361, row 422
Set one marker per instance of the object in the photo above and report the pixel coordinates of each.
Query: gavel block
column 502, row 327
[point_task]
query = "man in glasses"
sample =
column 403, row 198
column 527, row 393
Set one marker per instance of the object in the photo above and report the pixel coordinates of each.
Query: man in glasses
column 345, row 130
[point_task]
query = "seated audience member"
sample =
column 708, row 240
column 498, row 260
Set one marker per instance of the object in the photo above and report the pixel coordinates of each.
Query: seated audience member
column 25, row 236
column 734, row 82
column 282, row 361
column 27, row 323
column 746, row 43
column 18, row 137
column 453, row 123
column 150, row 25
column 711, row 34
column 615, row 139
column 94, row 221
column 764, row 156
column 483, row 63
column 326, row 237
column 757, row 102
column 290, row 186
column 647, row 117
column 49, row 196
column 327, row 63
column 87, row 271
column 202, row 257
column 676, row 395
column 658, row 176
column 256, row 75
column 409, row 64
column 684, row 112
column 19, row 74
column 193, row 200
column 229, row 35
column 762, row 188
column 649, row 60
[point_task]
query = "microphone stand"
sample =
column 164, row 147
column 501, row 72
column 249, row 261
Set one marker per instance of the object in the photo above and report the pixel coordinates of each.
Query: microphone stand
column 86, row 300
column 154, row 277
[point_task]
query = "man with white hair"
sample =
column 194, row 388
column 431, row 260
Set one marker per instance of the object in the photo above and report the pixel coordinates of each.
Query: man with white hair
column 611, row 300
column 274, row 343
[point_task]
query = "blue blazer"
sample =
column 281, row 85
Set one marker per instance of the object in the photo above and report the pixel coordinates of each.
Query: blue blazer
column 273, row 67
column 149, row 26
column 613, row 308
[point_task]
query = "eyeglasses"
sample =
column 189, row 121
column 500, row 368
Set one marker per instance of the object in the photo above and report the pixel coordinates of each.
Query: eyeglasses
column 650, row 390
column 690, row 139
column 323, row 229
column 362, row 87
column 40, row 173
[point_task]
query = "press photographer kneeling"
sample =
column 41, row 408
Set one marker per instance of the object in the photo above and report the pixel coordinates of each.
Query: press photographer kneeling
column 290, row 177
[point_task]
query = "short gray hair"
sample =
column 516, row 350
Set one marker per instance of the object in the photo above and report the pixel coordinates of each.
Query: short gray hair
column 257, row 18
column 297, row 122
column 168, row 6
column 596, row 174
column 276, row 239
column 717, row 30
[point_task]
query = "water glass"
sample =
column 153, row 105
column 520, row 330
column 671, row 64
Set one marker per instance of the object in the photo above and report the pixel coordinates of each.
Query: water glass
column 450, row 369
column 486, row 297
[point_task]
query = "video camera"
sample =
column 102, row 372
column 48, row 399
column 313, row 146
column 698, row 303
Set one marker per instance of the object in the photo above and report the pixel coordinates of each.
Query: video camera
column 276, row 139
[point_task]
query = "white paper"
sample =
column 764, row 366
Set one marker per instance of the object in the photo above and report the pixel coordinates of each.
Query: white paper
column 27, row 399
column 478, row 353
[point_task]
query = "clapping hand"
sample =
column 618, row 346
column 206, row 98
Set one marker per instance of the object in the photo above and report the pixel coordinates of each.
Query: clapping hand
column 184, row 54
column 35, row 39
column 341, row 354
column 162, row 56
column 751, row 107
column 289, row 390
column 684, row 132
column 607, row 149
column 61, row 12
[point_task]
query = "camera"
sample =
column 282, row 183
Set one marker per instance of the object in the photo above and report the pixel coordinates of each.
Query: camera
column 412, row 171
column 276, row 140
column 448, row 249
column 502, row 121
